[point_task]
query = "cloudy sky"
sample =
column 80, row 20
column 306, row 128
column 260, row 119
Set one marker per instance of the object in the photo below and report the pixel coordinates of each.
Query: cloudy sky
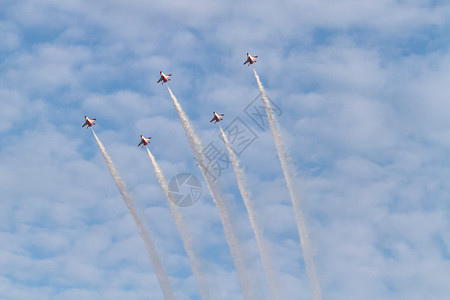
column 362, row 94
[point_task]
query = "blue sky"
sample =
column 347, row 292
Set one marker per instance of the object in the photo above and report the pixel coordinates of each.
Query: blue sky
column 363, row 89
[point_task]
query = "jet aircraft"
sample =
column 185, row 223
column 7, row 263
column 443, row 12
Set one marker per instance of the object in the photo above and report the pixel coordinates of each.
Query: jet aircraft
column 88, row 122
column 144, row 141
column 216, row 118
column 250, row 59
column 164, row 78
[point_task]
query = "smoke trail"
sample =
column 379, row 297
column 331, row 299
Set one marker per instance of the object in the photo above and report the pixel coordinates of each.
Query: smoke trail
column 230, row 235
column 154, row 257
column 289, row 174
column 265, row 258
column 182, row 229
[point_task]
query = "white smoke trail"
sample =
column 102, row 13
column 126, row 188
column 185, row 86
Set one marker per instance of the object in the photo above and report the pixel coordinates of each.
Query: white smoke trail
column 230, row 235
column 265, row 258
column 182, row 229
column 289, row 174
column 154, row 257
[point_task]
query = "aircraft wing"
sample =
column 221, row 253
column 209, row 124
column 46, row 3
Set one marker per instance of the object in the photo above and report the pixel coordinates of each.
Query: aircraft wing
column 140, row 143
column 212, row 119
column 85, row 123
column 159, row 80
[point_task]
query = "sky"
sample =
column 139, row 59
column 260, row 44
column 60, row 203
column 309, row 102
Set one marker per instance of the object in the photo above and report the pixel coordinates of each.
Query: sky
column 360, row 89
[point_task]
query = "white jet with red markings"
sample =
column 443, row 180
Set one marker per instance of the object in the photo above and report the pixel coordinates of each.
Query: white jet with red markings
column 88, row 122
column 216, row 117
column 164, row 78
column 250, row 59
column 144, row 141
